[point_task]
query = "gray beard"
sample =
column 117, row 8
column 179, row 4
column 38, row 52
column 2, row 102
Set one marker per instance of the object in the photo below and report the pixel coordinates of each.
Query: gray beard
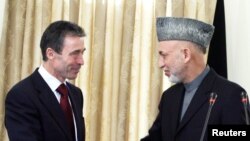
column 174, row 79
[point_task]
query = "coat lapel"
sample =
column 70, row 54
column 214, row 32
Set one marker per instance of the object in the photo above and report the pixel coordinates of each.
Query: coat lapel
column 174, row 99
column 178, row 98
column 201, row 97
column 50, row 102
column 75, row 107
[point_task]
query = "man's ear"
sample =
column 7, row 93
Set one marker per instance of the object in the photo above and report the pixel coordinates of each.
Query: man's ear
column 50, row 53
column 187, row 54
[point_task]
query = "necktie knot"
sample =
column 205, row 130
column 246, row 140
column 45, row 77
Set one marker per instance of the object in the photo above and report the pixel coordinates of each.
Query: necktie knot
column 62, row 89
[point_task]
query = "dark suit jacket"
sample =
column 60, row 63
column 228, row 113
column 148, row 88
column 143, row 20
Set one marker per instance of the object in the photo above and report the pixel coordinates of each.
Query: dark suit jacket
column 34, row 114
column 227, row 109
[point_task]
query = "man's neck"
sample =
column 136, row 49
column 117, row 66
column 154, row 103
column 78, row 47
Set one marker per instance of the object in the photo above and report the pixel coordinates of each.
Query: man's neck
column 50, row 70
column 193, row 73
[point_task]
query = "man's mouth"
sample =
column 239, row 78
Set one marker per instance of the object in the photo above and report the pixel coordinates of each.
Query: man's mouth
column 167, row 73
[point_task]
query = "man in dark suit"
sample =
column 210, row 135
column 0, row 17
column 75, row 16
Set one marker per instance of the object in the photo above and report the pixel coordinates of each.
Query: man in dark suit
column 183, row 108
column 44, row 106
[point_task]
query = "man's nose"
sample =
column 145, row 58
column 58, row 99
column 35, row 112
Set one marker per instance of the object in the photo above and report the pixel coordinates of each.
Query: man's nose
column 80, row 60
column 161, row 63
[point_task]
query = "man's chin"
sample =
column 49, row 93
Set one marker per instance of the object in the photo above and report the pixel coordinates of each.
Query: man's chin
column 174, row 79
column 72, row 77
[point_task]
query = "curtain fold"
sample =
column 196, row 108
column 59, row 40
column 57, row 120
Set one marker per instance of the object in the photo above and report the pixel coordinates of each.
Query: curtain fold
column 198, row 9
column 120, row 79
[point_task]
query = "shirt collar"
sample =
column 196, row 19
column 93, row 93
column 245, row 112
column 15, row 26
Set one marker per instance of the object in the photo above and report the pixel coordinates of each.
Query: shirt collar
column 197, row 81
column 52, row 81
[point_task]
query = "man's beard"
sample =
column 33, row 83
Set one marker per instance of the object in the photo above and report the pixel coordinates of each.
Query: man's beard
column 174, row 79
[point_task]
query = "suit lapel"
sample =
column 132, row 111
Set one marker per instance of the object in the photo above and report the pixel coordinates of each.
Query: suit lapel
column 49, row 101
column 75, row 107
column 175, row 100
column 201, row 97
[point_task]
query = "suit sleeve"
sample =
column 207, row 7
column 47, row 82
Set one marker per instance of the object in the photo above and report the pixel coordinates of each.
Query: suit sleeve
column 154, row 133
column 21, row 117
column 233, row 109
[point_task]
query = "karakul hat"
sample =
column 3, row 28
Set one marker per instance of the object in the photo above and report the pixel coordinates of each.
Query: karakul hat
column 172, row 28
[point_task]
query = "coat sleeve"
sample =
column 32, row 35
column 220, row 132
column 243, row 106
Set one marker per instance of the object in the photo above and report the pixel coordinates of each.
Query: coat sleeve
column 233, row 109
column 155, row 133
column 21, row 117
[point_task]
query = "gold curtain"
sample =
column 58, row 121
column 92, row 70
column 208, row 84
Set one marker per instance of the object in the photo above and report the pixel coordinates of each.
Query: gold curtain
column 120, row 79
column 198, row 9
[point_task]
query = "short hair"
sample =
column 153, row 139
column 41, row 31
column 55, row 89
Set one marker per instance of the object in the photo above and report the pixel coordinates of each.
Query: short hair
column 200, row 48
column 55, row 34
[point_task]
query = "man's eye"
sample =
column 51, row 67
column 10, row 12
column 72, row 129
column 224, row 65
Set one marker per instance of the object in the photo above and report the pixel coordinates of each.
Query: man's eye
column 164, row 55
column 75, row 53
